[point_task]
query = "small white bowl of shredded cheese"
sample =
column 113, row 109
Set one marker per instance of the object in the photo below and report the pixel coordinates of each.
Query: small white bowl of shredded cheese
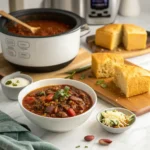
column 116, row 119
column 13, row 83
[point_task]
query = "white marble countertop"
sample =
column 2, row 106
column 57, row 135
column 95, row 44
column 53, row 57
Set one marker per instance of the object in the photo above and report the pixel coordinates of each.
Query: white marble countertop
column 136, row 138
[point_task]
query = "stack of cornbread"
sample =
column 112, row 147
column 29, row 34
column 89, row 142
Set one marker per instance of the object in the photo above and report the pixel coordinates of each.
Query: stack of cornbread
column 132, row 80
column 131, row 36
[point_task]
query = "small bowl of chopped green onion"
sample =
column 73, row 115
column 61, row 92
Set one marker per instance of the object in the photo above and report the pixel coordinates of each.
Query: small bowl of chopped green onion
column 116, row 119
column 13, row 83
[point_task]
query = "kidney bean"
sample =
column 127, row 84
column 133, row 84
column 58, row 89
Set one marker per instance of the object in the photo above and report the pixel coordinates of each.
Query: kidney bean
column 74, row 98
column 29, row 100
column 105, row 141
column 49, row 109
column 56, row 109
column 71, row 112
column 49, row 97
column 62, row 114
column 89, row 138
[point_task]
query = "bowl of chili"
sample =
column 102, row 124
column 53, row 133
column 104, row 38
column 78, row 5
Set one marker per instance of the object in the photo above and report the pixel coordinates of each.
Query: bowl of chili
column 57, row 104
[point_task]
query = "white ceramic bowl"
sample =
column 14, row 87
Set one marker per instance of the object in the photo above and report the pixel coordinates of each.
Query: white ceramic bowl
column 57, row 124
column 12, row 92
column 116, row 130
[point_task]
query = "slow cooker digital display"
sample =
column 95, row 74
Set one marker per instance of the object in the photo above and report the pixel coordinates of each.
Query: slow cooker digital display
column 99, row 4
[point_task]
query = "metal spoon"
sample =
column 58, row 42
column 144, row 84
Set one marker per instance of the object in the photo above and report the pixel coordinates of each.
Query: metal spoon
column 32, row 29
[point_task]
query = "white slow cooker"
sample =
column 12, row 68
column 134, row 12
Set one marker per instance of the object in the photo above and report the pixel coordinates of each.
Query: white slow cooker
column 41, row 54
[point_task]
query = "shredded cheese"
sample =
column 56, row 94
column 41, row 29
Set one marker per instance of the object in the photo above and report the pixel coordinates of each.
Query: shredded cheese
column 115, row 119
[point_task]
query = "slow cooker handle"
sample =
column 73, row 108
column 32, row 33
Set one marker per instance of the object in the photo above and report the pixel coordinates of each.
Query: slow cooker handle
column 84, row 25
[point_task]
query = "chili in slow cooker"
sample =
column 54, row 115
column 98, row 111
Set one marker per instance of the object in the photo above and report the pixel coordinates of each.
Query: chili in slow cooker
column 47, row 28
column 57, row 101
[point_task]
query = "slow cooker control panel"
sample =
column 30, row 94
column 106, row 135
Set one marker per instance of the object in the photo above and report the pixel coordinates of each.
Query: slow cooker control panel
column 101, row 11
column 17, row 48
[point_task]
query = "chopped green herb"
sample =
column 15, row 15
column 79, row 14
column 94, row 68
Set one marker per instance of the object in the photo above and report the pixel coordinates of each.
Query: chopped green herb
column 99, row 82
column 103, row 85
column 74, row 71
column 102, row 116
column 67, row 88
column 71, row 75
column 85, row 146
column 114, row 123
column 17, row 81
column 56, row 100
column 42, row 93
column 78, row 146
column 14, row 84
column 62, row 93
column 56, row 96
column 82, row 76
column 131, row 119
column 8, row 82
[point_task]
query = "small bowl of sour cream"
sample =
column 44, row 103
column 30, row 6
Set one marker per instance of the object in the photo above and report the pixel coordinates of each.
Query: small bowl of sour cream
column 13, row 83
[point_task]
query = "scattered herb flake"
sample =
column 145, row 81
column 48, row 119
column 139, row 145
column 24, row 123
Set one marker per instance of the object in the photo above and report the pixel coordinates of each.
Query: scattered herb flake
column 62, row 93
column 14, row 84
column 42, row 93
column 103, row 85
column 56, row 95
column 8, row 82
column 98, row 82
column 67, row 88
column 17, row 81
column 71, row 75
column 78, row 146
column 82, row 76
column 85, row 146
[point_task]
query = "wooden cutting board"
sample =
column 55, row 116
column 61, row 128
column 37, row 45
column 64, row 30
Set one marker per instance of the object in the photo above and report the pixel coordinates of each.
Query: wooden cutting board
column 83, row 58
column 138, row 104
column 120, row 50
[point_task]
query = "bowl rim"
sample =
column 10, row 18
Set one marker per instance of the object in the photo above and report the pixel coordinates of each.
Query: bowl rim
column 16, row 74
column 51, row 118
column 113, row 108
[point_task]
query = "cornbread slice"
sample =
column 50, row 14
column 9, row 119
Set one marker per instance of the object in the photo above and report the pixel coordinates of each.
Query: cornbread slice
column 109, row 36
column 103, row 64
column 132, row 80
column 134, row 37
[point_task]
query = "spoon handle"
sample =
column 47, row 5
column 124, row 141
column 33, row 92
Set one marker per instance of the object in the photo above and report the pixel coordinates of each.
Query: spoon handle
column 14, row 19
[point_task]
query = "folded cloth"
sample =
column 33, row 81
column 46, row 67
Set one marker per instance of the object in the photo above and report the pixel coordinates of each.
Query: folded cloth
column 15, row 136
